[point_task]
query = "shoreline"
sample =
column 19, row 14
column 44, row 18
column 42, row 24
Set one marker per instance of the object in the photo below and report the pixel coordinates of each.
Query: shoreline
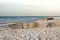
column 33, row 24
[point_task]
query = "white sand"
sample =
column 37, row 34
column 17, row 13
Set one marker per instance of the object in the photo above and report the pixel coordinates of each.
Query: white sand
column 31, row 34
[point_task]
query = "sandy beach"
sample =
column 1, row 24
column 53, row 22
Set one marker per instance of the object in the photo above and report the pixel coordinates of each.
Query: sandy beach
column 31, row 34
column 47, row 29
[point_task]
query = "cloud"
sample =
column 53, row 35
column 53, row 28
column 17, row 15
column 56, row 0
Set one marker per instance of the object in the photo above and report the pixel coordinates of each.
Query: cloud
column 29, row 7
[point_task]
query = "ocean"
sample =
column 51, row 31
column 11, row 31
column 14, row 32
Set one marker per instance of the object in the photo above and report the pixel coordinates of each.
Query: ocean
column 4, row 19
column 12, row 19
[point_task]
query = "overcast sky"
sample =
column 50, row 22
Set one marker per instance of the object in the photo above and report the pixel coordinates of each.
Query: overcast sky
column 29, row 8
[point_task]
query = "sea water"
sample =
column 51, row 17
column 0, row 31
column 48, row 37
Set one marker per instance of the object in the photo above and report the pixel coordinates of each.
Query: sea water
column 12, row 19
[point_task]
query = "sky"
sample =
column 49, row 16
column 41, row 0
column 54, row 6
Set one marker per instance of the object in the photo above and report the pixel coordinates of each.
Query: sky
column 29, row 7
